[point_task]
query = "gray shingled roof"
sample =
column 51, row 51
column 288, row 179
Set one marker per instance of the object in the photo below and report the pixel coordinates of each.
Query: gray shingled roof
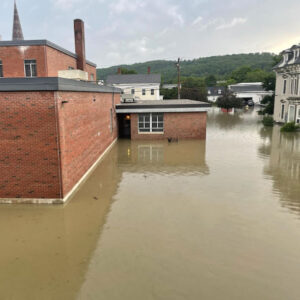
column 247, row 88
column 133, row 78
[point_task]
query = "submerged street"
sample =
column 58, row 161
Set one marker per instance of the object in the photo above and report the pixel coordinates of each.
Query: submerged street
column 214, row 219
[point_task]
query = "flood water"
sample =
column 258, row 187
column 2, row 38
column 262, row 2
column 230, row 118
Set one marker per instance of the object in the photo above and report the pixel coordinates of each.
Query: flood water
column 190, row 220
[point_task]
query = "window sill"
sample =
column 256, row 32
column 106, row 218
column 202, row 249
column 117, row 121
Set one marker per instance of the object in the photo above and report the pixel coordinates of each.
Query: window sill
column 151, row 133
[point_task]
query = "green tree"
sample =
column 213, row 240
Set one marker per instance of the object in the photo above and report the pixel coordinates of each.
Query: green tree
column 269, row 82
column 127, row 71
column 210, row 80
column 169, row 93
column 194, row 88
column 240, row 74
column 229, row 101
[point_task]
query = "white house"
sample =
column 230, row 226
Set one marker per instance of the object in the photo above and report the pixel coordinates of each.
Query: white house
column 140, row 86
column 287, row 95
column 250, row 91
column 215, row 92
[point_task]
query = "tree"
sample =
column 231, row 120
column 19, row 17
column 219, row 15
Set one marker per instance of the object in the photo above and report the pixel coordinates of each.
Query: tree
column 240, row 74
column 127, row 71
column 194, row 88
column 211, row 80
column 229, row 101
column 269, row 101
column 169, row 93
column 269, row 83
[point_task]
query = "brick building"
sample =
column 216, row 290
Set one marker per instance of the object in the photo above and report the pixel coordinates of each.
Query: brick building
column 53, row 130
column 165, row 119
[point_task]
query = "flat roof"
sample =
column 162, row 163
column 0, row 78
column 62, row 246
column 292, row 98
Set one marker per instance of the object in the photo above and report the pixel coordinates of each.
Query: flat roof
column 174, row 105
column 24, row 43
column 52, row 84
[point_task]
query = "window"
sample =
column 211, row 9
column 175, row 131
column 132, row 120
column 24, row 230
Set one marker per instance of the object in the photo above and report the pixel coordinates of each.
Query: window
column 209, row 92
column 92, row 77
column 298, row 115
column 1, row 69
column 144, row 92
column 30, row 68
column 151, row 122
column 219, row 92
column 132, row 91
column 292, row 86
column 152, row 92
column 282, row 111
column 284, row 86
column 70, row 68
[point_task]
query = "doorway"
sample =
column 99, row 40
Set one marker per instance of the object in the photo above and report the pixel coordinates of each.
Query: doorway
column 292, row 112
column 124, row 121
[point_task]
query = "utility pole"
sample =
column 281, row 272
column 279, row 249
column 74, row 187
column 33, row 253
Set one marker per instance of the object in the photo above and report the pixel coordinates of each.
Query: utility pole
column 179, row 83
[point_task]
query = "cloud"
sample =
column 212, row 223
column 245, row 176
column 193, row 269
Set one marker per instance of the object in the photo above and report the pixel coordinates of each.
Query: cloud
column 197, row 20
column 234, row 22
column 123, row 6
column 177, row 17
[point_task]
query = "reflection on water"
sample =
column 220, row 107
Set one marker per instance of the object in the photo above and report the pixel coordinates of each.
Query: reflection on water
column 158, row 220
column 282, row 152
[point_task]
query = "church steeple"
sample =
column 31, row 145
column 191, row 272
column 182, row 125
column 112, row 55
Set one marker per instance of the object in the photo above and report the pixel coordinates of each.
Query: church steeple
column 17, row 29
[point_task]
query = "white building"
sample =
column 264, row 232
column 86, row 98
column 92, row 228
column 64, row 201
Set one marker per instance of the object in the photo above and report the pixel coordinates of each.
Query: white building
column 215, row 92
column 140, row 86
column 287, row 97
column 250, row 91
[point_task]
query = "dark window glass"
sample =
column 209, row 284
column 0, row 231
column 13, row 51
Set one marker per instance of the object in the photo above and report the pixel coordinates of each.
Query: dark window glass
column 284, row 87
column 1, row 69
column 152, row 92
column 144, row 92
column 30, row 68
column 132, row 91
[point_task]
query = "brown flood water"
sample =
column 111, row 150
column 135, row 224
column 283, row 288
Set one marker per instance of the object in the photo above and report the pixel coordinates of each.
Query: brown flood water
column 191, row 220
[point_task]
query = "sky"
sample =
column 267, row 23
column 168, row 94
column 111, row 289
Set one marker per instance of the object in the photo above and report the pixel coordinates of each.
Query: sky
column 129, row 31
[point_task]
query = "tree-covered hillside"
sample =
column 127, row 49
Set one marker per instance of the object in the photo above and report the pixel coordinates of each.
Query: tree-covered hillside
column 219, row 66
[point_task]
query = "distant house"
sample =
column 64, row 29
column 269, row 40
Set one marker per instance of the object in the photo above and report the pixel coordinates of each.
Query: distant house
column 214, row 93
column 250, row 91
column 140, row 86
column 287, row 99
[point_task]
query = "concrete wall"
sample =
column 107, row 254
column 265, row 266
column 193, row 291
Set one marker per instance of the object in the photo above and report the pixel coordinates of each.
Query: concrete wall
column 49, row 61
column 176, row 125
column 46, row 146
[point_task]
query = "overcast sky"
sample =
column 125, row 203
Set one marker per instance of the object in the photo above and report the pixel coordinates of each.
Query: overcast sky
column 128, row 31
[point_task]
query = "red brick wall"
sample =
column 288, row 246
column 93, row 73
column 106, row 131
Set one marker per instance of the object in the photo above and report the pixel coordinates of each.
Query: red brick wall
column 58, row 61
column 13, row 60
column 49, row 61
column 28, row 146
column 91, row 70
column 85, row 133
column 176, row 125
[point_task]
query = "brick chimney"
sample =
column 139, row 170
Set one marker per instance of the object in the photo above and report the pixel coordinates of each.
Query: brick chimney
column 80, row 44
column 149, row 70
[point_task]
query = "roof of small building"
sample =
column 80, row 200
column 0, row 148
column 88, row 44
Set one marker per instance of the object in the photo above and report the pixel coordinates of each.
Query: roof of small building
column 247, row 87
column 25, row 43
column 133, row 78
column 52, row 84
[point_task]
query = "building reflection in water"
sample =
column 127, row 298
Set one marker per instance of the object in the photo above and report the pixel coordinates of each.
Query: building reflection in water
column 163, row 157
column 283, row 153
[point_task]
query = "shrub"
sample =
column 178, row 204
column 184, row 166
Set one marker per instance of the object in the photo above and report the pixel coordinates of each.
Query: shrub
column 268, row 121
column 229, row 100
column 289, row 127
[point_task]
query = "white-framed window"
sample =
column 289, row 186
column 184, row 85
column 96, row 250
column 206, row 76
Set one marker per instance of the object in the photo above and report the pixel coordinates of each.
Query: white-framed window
column 284, row 86
column 152, row 92
column 143, row 92
column 92, row 77
column 132, row 91
column 1, row 69
column 291, row 116
column 30, row 68
column 292, row 86
column 298, row 115
column 153, row 122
